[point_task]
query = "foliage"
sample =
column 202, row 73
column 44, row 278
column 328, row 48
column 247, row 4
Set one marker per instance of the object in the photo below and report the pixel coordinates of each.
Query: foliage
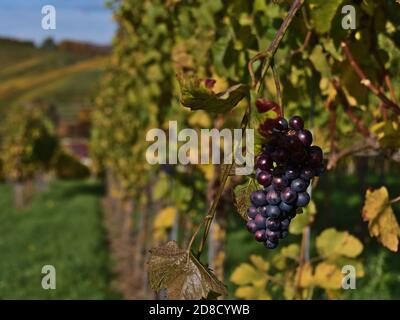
column 325, row 76
column 66, row 166
column 29, row 140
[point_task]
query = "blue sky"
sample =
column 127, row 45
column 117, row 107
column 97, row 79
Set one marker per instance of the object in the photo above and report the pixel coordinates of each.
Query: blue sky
column 85, row 20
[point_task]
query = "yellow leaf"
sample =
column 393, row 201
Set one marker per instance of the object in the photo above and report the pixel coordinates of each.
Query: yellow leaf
column 247, row 274
column 382, row 222
column 332, row 243
column 306, row 276
column 291, row 251
column 259, row 262
column 328, row 276
column 200, row 119
column 252, row 293
column 163, row 221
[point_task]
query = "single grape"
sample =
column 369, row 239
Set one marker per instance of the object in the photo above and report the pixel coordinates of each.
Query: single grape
column 272, row 235
column 258, row 198
column 272, row 224
column 288, row 195
column 262, row 210
column 291, row 173
column 303, row 198
column 299, row 185
column 260, row 235
column 315, row 156
column 296, row 123
column 285, row 223
column 264, row 178
column 273, row 197
column 305, row 137
column 271, row 244
column 263, row 162
column 279, row 183
column 273, row 211
column 285, row 207
column 251, row 226
column 281, row 124
column 260, row 221
column 252, row 212
column 307, row 174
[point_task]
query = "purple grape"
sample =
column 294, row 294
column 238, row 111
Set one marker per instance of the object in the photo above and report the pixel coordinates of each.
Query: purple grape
column 262, row 210
column 264, row 162
column 258, row 198
column 296, row 123
column 279, row 155
column 264, row 178
column 315, row 156
column 259, row 221
column 279, row 183
column 288, row 195
column 320, row 170
column 273, row 211
column 305, row 137
column 303, row 198
column 273, row 197
column 285, row 223
column 291, row 173
column 307, row 174
column 271, row 244
column 293, row 143
column 252, row 212
column 272, row 224
column 299, row 185
column 251, row 226
column 285, row 207
column 272, row 235
column 260, row 235
column 281, row 125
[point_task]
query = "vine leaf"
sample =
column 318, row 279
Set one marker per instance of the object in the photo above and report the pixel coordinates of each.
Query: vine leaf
column 322, row 13
column 242, row 196
column 388, row 133
column 327, row 276
column 302, row 220
column 184, row 277
column 332, row 244
column 382, row 222
column 197, row 94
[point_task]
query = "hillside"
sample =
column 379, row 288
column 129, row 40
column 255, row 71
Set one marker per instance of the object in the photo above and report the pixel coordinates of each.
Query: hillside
column 66, row 75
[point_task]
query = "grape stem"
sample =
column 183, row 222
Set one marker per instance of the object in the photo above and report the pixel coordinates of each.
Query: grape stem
column 268, row 55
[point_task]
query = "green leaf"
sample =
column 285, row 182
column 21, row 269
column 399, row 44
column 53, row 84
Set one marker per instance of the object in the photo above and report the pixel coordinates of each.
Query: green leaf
column 322, row 13
column 320, row 62
column 184, row 277
column 332, row 243
column 195, row 95
column 242, row 196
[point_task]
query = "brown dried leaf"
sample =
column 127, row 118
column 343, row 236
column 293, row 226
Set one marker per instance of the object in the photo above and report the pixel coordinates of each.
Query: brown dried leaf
column 184, row 277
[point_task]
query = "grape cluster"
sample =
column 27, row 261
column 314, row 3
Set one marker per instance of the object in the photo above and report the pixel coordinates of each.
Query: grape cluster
column 284, row 168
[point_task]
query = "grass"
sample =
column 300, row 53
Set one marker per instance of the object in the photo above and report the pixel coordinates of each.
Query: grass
column 62, row 227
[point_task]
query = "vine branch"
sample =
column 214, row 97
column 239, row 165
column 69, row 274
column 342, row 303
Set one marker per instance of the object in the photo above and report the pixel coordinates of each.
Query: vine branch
column 268, row 55
column 367, row 82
